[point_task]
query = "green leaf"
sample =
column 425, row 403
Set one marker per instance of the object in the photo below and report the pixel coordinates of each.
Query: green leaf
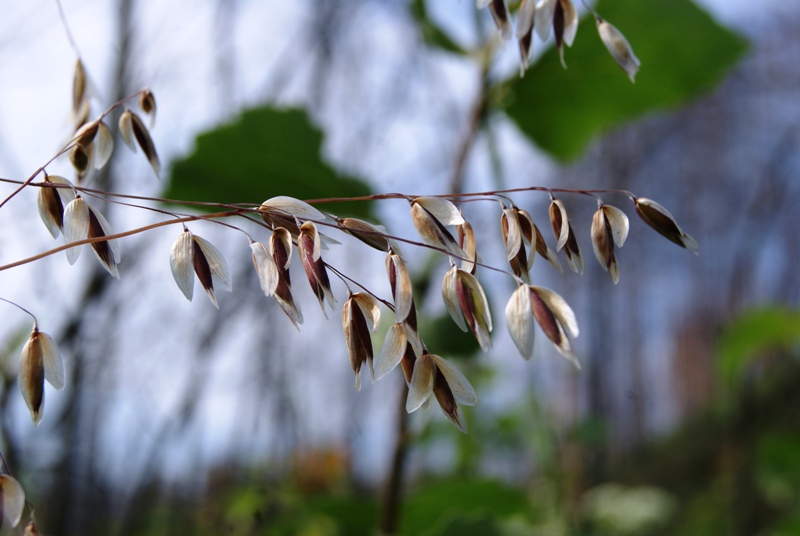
column 445, row 501
column 683, row 53
column 265, row 152
column 431, row 33
column 751, row 335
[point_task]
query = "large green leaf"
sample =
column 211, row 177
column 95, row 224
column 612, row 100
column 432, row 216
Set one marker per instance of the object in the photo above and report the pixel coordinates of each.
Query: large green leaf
column 444, row 501
column 754, row 334
column 263, row 153
column 683, row 53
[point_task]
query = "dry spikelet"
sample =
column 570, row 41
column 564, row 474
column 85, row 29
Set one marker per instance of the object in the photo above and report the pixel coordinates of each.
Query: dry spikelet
column 192, row 254
column 370, row 234
column 664, row 223
column 51, row 202
column 79, row 88
column 400, row 284
column 429, row 216
column 360, row 315
column 12, row 500
column 308, row 245
column 435, row 375
column 525, row 26
column 609, row 227
column 280, row 247
column 147, row 102
column 135, row 133
column 40, row 361
column 618, row 47
column 565, row 236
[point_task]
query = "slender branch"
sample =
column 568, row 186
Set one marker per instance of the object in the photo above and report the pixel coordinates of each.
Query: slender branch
column 115, row 236
column 392, row 493
column 71, row 39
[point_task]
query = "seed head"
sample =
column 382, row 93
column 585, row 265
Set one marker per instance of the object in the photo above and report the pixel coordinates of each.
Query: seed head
column 40, row 361
column 131, row 128
column 664, row 223
column 618, row 47
column 609, row 226
column 12, row 499
column 190, row 253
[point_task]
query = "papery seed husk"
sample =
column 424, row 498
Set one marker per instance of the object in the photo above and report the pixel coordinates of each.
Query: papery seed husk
column 12, row 499
column 400, row 284
column 500, row 14
column 104, row 146
column 459, row 385
column 433, row 232
column 76, row 226
column 283, row 296
column 181, row 261
column 660, row 219
column 147, row 102
column 618, row 223
column 421, row 385
column 308, row 229
column 217, row 265
column 466, row 240
column 512, row 234
column 291, row 208
column 107, row 251
column 559, row 222
column 52, row 361
column 619, row 48
column 526, row 18
column 86, row 134
column 315, row 270
column 126, row 129
column 601, row 239
column 519, row 320
column 144, row 140
column 31, row 376
column 521, row 264
column 203, row 272
column 442, row 209
column 392, row 350
column 544, row 18
column 545, row 318
column 359, row 343
column 473, row 303
column 371, row 235
column 450, row 297
column 447, row 402
column 369, row 307
column 78, row 86
column 407, row 362
column 570, row 22
column 79, row 157
column 265, row 267
column 280, row 246
column 560, row 308
column 573, row 253
column 411, row 331
column 543, row 250
column 51, row 210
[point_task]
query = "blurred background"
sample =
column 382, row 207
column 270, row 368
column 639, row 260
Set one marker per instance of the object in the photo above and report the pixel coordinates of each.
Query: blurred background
column 178, row 418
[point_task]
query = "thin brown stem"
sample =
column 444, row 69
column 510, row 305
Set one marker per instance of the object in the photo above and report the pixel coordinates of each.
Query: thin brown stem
column 391, row 499
column 123, row 234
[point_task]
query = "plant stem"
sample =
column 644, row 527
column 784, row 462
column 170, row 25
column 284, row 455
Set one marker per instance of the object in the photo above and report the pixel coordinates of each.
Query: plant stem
column 391, row 499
